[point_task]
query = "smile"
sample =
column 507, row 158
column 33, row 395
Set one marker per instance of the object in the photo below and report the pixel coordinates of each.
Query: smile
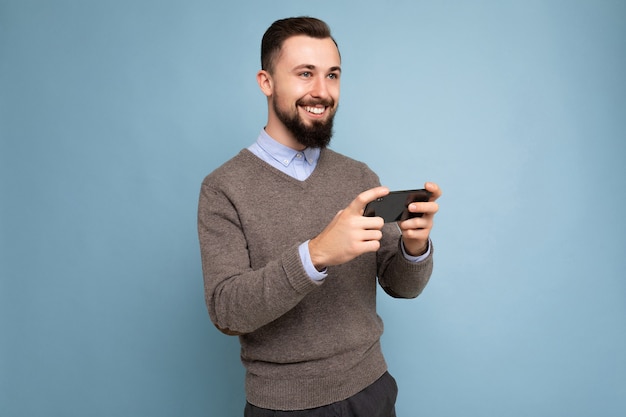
column 315, row 110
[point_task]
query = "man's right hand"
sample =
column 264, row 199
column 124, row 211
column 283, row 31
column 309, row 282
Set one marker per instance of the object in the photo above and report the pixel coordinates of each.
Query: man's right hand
column 349, row 234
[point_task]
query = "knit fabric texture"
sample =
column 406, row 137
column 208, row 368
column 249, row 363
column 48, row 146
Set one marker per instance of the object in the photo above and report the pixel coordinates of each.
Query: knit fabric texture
column 304, row 343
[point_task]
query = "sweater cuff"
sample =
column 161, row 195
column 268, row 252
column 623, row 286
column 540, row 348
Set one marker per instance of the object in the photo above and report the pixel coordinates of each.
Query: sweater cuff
column 307, row 263
column 418, row 258
column 296, row 273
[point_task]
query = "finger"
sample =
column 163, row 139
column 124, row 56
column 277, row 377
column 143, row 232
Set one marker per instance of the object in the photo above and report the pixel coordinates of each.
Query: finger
column 416, row 234
column 426, row 208
column 415, row 223
column 368, row 223
column 368, row 235
column 357, row 206
column 433, row 188
column 369, row 246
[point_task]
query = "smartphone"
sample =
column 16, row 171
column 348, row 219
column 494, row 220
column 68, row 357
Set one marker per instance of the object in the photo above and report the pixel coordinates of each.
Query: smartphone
column 394, row 207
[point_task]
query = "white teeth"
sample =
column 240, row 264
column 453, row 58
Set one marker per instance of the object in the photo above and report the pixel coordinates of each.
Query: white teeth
column 315, row 110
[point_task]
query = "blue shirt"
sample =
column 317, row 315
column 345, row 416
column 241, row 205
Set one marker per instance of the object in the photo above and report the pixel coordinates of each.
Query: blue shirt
column 299, row 165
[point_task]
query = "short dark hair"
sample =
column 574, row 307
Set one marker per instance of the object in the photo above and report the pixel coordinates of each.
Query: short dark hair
column 283, row 29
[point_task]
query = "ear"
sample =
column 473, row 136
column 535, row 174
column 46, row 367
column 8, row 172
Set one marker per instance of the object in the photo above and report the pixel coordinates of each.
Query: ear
column 264, row 79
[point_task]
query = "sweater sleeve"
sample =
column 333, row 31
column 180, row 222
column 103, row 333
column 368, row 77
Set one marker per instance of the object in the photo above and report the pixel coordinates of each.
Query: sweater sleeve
column 240, row 299
column 399, row 277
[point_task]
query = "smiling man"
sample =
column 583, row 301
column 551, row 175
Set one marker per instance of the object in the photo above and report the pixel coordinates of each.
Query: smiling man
column 303, row 91
column 290, row 263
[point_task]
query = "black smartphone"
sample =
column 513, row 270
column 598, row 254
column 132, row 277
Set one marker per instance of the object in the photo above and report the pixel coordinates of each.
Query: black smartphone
column 394, row 207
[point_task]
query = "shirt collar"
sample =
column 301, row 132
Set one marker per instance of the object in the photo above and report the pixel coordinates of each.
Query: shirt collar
column 283, row 154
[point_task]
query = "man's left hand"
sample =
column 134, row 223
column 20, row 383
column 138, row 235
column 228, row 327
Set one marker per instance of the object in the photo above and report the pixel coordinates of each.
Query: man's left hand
column 416, row 231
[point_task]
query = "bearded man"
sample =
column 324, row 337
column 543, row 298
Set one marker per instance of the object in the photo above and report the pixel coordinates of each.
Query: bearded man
column 290, row 263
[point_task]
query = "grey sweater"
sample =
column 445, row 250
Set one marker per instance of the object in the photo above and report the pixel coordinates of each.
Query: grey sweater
column 304, row 344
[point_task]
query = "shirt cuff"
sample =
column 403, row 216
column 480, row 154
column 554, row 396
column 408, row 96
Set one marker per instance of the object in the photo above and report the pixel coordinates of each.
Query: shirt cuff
column 416, row 259
column 307, row 263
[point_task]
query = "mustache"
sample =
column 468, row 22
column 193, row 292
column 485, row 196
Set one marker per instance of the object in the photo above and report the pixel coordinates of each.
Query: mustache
column 325, row 103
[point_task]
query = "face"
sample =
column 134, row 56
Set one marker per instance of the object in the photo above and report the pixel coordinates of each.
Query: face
column 303, row 91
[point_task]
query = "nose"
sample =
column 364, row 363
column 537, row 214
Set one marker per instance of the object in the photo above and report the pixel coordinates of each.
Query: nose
column 320, row 88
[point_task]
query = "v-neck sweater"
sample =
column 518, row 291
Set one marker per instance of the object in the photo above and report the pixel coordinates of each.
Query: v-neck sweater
column 304, row 343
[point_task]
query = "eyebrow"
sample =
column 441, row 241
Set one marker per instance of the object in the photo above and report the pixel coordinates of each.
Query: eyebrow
column 313, row 67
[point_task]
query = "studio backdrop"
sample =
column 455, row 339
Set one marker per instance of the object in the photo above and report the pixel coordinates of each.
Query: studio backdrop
column 112, row 113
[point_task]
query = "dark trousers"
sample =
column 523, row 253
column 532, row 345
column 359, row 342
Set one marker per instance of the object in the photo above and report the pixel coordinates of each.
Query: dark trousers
column 377, row 400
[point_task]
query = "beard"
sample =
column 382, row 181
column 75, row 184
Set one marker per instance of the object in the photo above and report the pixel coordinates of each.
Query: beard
column 318, row 134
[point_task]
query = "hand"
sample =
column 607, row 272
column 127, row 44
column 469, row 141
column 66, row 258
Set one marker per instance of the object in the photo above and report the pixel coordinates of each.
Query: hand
column 416, row 231
column 349, row 234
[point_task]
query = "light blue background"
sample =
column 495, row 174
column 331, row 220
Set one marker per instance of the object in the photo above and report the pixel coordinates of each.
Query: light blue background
column 112, row 112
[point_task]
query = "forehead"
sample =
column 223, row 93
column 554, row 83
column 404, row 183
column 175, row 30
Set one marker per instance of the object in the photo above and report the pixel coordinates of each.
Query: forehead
column 304, row 50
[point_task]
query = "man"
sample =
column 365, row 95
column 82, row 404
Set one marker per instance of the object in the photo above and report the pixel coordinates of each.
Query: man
column 290, row 262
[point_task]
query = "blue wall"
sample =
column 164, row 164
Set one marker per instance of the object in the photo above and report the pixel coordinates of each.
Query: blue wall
column 112, row 112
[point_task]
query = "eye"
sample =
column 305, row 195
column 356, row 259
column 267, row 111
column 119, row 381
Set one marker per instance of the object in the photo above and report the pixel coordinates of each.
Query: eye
column 306, row 74
column 333, row 76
